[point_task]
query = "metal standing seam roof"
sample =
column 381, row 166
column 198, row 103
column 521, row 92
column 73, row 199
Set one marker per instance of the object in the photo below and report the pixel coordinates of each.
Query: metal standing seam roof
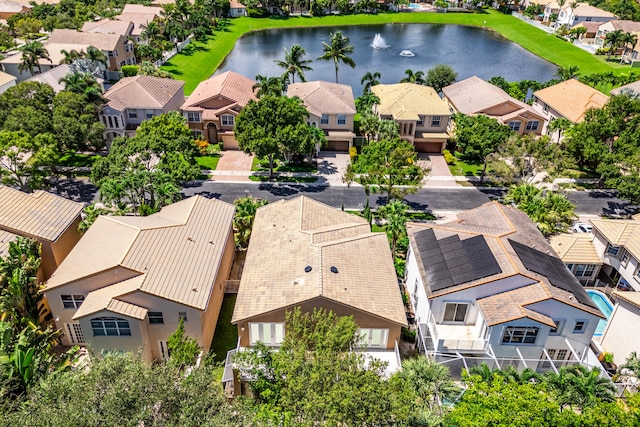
column 106, row 299
column 142, row 92
column 621, row 232
column 301, row 250
column 40, row 214
column 572, row 99
column 407, row 101
column 178, row 250
column 231, row 85
column 322, row 97
column 575, row 248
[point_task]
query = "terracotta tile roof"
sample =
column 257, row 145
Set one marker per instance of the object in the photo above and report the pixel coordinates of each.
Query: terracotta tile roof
column 142, row 92
column 572, row 99
column 511, row 305
column 592, row 27
column 139, row 8
column 635, row 87
column 237, row 88
column 290, row 235
column 625, row 25
column 6, row 237
column 406, row 101
column 106, row 299
column 586, row 10
column 40, row 214
column 575, row 248
column 6, row 78
column 324, row 97
column 621, row 232
column 139, row 20
column 235, row 4
column 630, row 297
column 53, row 76
column 73, row 37
column 178, row 250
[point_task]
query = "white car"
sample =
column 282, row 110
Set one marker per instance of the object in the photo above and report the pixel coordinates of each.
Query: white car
column 582, row 227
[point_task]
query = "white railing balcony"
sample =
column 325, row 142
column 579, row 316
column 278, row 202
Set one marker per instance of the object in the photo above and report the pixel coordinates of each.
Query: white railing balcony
column 464, row 344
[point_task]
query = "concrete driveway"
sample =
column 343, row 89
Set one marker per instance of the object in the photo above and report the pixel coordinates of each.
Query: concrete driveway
column 234, row 160
column 440, row 175
column 332, row 165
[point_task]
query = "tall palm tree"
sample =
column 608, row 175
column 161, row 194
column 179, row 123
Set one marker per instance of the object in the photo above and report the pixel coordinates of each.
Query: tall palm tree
column 338, row 50
column 151, row 33
column 566, row 73
column 293, row 62
column 96, row 56
column 560, row 124
column 395, row 216
column 411, row 77
column 370, row 79
column 70, row 56
column 269, row 86
column 84, row 84
column 246, row 208
column 32, row 52
column 613, row 39
column 580, row 386
column 628, row 39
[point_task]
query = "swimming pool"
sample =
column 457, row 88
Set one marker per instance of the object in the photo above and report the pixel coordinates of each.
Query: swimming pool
column 414, row 6
column 602, row 302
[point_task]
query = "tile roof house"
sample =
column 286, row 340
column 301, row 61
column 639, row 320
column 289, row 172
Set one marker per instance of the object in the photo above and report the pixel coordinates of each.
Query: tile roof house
column 625, row 317
column 631, row 87
column 570, row 99
column 212, row 107
column 237, row 9
column 331, row 107
column 51, row 220
column 134, row 99
column 488, row 285
column 54, row 75
column 6, row 81
column 9, row 8
column 591, row 27
column 476, row 96
column 579, row 254
column 423, row 117
column 575, row 13
column 306, row 254
column 130, row 280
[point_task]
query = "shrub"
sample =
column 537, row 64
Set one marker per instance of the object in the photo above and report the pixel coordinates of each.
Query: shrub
column 448, row 157
column 130, row 70
column 213, row 149
column 353, row 153
column 408, row 335
column 603, row 50
column 399, row 265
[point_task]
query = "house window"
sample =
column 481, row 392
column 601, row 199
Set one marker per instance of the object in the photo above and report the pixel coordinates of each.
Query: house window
column 514, row 125
column 111, row 54
column 545, row 108
column 435, row 121
column 624, row 259
column 372, row 337
column 72, row 301
column 227, row 120
column 455, row 312
column 115, row 122
column 324, row 120
column 193, row 116
column 155, row 318
column 183, row 316
column 133, row 114
column 110, row 122
column 110, row 326
column 342, row 119
column 613, row 250
column 533, row 125
column 420, row 121
column 520, row 335
column 558, row 329
column 584, row 270
column 579, row 327
column 150, row 114
column 123, row 63
column 271, row 334
column 196, row 134
column 415, row 294
column 638, row 273
column 128, row 47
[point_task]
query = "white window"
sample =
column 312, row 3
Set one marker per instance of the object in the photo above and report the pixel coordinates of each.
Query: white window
column 324, row 120
column 584, row 270
column 415, row 294
column 613, row 250
column 72, row 301
column 372, row 337
column 110, row 326
column 580, row 327
column 133, row 114
column 193, row 116
column 342, row 119
column 455, row 312
column 75, row 333
column 514, row 125
column 435, row 121
column 545, row 108
column 533, row 125
column 520, row 335
column 111, row 54
column 128, row 47
column 624, row 259
column 227, row 120
column 558, row 329
column 150, row 113
column 271, row 334
column 123, row 63
column 155, row 318
column 420, row 121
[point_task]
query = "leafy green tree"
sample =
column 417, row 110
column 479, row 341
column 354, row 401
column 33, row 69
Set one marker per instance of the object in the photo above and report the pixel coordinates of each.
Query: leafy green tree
column 273, row 86
column 395, row 215
column 246, row 208
column 476, row 137
column 183, row 350
column 75, row 121
column 338, row 50
column 32, row 53
column 27, row 106
column 370, row 79
column 260, row 124
column 369, row 125
column 578, row 387
column 27, row 27
column 552, row 212
column 294, row 63
column 559, row 124
column 365, row 102
column 23, row 159
column 413, row 77
column 440, row 76
column 613, row 40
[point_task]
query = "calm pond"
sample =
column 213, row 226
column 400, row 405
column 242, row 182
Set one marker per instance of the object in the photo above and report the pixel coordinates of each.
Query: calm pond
column 470, row 51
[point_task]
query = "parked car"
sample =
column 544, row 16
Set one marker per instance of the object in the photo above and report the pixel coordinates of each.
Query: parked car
column 582, row 227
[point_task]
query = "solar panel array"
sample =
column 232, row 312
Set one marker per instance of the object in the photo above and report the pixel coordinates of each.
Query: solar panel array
column 451, row 261
column 553, row 269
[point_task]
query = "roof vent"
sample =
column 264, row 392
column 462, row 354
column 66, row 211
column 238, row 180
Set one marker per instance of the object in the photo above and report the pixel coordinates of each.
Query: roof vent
column 194, row 289
column 334, row 269
column 190, row 239
column 307, row 269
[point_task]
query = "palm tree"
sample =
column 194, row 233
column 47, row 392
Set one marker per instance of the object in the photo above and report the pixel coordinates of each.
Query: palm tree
column 275, row 86
column 96, row 56
column 32, row 52
column 293, row 62
column 151, row 32
column 580, row 386
column 338, row 50
column 246, row 208
column 395, row 216
column 566, row 73
column 628, row 39
column 411, row 77
column 560, row 124
column 70, row 56
column 613, row 39
column 370, row 79
column 84, row 84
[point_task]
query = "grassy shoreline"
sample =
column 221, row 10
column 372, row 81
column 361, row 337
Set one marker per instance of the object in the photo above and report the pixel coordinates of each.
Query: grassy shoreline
column 199, row 60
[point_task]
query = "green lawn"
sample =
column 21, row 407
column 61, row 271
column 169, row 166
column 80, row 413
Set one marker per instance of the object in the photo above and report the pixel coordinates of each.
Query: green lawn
column 466, row 168
column 77, row 160
column 208, row 162
column 199, row 60
column 225, row 337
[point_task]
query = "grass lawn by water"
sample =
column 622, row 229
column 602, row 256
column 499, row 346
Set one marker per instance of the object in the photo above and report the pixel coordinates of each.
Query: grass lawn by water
column 208, row 162
column 199, row 60
column 225, row 337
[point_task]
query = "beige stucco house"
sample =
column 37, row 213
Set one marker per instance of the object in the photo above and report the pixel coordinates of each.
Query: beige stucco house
column 423, row 117
column 212, row 108
column 620, row 337
column 9, row 8
column 574, row 13
column 578, row 252
column 331, row 108
column 133, row 100
column 6, row 81
column 51, row 220
column 130, row 280
column 476, row 96
column 130, row 23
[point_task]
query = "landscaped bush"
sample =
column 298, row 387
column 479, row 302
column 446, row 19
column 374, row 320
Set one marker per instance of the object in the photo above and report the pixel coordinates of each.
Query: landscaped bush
column 603, row 50
column 408, row 335
column 448, row 157
column 130, row 70
column 353, row 153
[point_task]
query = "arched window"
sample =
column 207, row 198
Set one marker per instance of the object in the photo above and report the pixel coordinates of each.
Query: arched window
column 110, row 326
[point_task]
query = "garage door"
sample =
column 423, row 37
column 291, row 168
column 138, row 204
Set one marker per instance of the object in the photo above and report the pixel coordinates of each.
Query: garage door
column 230, row 143
column 428, row 147
column 337, row 146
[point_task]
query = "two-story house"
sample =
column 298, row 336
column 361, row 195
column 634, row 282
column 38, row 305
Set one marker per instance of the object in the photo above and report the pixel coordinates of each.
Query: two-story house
column 575, row 13
column 331, row 108
column 579, row 254
column 617, row 241
column 306, row 254
column 489, row 287
column 131, row 22
column 570, row 99
column 9, row 8
column 213, row 106
column 129, row 281
column 134, row 99
column 422, row 116
column 476, row 96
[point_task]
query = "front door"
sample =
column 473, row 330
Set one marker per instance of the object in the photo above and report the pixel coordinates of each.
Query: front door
column 212, row 133
column 75, row 333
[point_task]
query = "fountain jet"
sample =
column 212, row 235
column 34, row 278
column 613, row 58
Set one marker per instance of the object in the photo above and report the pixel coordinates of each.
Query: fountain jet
column 378, row 42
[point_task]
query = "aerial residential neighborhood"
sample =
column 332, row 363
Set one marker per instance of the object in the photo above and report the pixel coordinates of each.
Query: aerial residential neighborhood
column 324, row 213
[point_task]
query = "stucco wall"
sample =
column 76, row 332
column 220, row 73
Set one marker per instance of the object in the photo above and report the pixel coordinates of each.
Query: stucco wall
column 621, row 337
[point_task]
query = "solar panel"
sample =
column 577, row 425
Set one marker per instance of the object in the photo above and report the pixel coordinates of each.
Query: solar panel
column 553, row 269
column 451, row 261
